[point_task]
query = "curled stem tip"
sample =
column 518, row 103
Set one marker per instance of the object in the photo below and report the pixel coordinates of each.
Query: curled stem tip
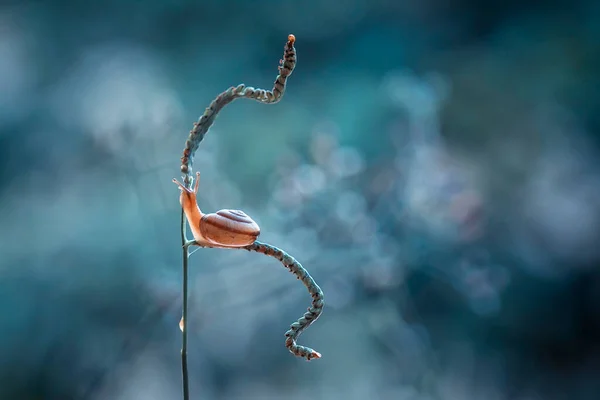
column 313, row 312
column 264, row 96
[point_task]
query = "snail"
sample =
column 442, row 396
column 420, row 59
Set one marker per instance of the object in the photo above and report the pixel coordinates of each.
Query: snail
column 225, row 228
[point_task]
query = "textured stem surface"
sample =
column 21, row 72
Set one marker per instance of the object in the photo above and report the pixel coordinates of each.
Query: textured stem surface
column 241, row 91
column 315, row 291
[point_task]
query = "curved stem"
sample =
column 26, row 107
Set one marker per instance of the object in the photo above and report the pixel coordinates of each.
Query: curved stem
column 313, row 313
column 196, row 135
column 272, row 96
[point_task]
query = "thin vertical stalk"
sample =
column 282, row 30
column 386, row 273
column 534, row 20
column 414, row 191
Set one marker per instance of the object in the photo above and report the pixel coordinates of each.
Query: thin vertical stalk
column 183, row 325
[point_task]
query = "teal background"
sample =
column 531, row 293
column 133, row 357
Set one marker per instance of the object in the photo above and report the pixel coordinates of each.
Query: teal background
column 433, row 164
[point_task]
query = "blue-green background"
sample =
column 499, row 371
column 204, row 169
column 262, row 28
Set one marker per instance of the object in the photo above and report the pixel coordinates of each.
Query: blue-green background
column 433, row 164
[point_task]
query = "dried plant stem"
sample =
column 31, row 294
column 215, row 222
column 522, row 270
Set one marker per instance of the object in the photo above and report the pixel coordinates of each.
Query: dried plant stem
column 201, row 127
column 196, row 136
column 315, row 291
column 182, row 325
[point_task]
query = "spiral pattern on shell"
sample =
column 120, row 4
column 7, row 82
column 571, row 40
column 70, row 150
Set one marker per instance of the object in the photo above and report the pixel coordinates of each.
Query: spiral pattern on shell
column 229, row 228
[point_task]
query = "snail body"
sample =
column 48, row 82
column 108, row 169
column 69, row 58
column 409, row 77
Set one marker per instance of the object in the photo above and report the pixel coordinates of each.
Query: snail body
column 224, row 228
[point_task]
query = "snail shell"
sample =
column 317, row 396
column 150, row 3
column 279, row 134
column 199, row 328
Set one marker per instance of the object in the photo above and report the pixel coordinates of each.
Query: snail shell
column 229, row 228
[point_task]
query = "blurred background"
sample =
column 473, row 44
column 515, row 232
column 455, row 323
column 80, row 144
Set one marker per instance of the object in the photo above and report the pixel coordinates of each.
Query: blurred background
column 433, row 164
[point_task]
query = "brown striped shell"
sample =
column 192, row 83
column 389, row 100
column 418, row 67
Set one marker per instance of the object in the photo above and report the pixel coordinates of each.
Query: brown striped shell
column 229, row 228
